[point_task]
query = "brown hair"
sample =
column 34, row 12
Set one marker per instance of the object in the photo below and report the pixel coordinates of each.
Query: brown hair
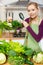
column 33, row 3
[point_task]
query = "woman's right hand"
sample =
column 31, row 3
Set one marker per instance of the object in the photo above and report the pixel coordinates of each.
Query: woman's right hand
column 25, row 24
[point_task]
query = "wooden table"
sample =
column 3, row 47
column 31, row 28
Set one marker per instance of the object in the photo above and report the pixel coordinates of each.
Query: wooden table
column 25, row 64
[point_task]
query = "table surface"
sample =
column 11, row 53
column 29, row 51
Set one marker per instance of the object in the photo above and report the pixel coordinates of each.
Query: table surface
column 25, row 64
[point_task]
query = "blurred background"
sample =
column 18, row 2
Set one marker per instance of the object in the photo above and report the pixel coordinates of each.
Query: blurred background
column 10, row 9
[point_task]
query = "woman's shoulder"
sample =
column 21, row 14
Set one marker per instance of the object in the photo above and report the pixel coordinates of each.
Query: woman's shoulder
column 41, row 22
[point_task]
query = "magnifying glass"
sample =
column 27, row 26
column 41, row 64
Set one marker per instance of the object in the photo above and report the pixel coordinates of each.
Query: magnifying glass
column 21, row 15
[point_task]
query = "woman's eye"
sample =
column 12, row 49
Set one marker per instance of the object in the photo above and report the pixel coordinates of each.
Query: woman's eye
column 32, row 9
column 28, row 10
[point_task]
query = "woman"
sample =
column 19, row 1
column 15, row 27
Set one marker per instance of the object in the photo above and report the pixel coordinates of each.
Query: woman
column 34, row 28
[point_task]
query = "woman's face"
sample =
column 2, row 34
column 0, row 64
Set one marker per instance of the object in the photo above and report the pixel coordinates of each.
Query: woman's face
column 33, row 11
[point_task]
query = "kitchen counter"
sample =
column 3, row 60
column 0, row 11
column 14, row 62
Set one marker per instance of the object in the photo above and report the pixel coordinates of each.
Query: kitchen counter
column 11, row 35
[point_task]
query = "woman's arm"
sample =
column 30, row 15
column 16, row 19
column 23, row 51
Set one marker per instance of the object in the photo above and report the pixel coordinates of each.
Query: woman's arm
column 38, row 36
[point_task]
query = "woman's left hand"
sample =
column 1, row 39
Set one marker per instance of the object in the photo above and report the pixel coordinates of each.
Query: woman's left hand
column 25, row 24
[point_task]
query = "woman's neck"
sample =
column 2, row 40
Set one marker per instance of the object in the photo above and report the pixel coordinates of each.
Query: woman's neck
column 35, row 20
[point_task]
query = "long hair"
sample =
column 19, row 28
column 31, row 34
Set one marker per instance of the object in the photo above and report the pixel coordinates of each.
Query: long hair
column 36, row 5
